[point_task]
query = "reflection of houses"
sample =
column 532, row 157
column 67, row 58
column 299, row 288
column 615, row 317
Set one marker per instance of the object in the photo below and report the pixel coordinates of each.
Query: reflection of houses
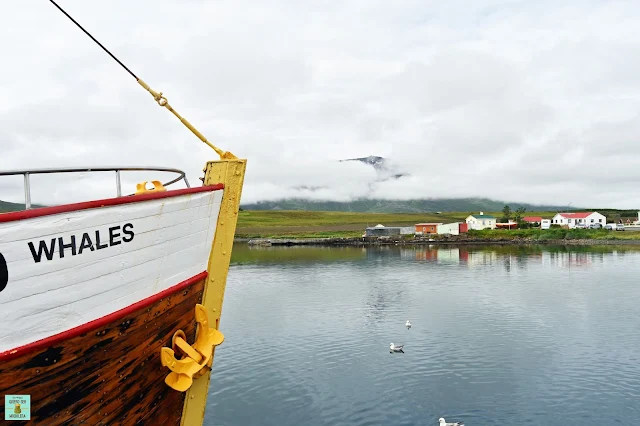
column 578, row 218
column 428, row 253
column 481, row 221
column 408, row 253
column 387, row 231
column 482, row 257
column 574, row 259
column 446, row 255
column 449, row 255
column 387, row 251
column 464, row 254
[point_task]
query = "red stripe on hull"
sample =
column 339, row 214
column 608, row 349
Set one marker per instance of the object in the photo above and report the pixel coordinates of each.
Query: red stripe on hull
column 100, row 322
column 66, row 208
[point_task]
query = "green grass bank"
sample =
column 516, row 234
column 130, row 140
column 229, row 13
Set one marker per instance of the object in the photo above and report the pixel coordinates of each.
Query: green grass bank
column 312, row 224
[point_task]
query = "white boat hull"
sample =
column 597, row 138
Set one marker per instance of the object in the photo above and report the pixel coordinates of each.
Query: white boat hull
column 69, row 268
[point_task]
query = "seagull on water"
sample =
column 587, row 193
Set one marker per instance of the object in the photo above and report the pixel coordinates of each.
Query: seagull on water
column 408, row 324
column 443, row 423
column 394, row 348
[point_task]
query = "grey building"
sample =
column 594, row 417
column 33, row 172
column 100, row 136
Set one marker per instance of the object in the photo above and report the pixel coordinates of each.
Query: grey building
column 384, row 231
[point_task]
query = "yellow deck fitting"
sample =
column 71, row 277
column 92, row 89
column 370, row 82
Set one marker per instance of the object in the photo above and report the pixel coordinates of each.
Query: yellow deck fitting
column 141, row 188
column 195, row 357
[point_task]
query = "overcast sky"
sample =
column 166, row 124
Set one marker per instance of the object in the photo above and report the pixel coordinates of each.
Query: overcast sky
column 533, row 101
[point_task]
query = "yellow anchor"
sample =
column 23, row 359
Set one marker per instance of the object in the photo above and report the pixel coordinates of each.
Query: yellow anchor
column 195, row 358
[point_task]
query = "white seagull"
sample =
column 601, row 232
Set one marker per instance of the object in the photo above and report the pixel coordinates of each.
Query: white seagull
column 408, row 324
column 443, row 423
column 394, row 348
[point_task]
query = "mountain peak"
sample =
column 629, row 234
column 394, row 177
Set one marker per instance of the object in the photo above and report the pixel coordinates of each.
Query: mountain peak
column 374, row 160
column 381, row 166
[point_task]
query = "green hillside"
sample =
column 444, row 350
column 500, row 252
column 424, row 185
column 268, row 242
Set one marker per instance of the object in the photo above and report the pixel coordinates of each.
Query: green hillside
column 614, row 215
column 399, row 206
column 6, row 206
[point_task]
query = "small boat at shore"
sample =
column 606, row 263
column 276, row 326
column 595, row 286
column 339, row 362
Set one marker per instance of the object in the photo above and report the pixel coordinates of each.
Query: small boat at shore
column 110, row 308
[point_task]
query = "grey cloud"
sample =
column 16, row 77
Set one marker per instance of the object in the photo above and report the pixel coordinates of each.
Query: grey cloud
column 536, row 100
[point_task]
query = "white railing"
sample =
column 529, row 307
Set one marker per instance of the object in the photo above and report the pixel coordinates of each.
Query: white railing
column 27, row 173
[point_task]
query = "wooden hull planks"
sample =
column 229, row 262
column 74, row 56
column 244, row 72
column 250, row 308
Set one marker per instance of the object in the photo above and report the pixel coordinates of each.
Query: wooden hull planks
column 109, row 374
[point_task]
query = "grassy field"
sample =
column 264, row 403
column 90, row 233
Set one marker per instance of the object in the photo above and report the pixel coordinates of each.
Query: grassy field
column 311, row 224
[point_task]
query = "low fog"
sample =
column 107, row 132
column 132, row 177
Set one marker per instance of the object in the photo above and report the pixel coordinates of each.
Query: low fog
column 533, row 102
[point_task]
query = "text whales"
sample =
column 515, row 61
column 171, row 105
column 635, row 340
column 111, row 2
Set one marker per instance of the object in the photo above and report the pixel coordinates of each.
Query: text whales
column 48, row 248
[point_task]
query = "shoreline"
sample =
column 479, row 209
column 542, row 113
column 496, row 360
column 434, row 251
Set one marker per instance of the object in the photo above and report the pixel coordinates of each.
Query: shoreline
column 372, row 242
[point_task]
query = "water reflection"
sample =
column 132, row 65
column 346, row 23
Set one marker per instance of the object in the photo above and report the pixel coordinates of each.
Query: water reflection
column 538, row 334
column 246, row 254
column 471, row 256
column 578, row 256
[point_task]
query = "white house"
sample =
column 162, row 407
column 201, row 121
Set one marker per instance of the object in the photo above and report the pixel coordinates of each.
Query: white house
column 449, row 228
column 573, row 219
column 545, row 224
column 481, row 221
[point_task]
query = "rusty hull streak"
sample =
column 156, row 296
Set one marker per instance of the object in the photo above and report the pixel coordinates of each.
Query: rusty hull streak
column 110, row 375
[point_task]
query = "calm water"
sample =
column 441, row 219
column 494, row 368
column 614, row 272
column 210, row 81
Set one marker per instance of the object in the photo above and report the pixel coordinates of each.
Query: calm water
column 500, row 336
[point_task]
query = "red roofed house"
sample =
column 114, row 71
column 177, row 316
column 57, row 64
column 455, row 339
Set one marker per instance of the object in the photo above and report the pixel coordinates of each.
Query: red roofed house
column 534, row 220
column 573, row 219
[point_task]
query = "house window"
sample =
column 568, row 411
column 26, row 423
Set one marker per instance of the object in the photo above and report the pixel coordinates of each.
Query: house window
column 600, row 220
column 591, row 220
